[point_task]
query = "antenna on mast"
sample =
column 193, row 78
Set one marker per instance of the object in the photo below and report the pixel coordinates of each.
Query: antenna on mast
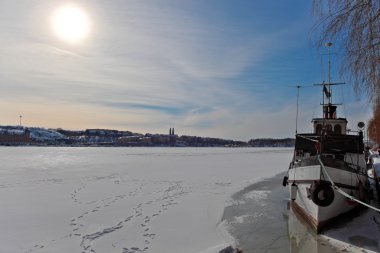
column 298, row 94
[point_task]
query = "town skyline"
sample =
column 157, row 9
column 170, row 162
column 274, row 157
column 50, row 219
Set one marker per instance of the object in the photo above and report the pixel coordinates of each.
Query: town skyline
column 37, row 136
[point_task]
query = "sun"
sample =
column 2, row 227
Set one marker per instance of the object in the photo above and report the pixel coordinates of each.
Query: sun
column 70, row 23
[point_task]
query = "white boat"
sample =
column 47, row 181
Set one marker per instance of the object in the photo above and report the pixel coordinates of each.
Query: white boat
column 328, row 169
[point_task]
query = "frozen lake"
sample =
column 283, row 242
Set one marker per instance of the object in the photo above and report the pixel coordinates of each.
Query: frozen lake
column 125, row 199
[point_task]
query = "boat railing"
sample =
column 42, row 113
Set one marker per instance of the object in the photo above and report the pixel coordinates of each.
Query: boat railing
column 357, row 168
column 331, row 160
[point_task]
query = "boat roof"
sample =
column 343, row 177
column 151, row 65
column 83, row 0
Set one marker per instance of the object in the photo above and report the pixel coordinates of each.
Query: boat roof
column 337, row 119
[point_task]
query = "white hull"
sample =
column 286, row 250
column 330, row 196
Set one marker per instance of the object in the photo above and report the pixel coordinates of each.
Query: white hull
column 316, row 215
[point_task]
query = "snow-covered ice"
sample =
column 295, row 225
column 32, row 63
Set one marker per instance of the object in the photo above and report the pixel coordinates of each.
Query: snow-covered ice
column 124, row 199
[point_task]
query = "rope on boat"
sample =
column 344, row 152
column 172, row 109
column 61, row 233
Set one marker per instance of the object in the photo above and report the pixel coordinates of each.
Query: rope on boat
column 343, row 192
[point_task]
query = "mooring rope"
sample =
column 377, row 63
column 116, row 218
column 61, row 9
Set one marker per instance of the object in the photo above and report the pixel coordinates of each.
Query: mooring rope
column 341, row 191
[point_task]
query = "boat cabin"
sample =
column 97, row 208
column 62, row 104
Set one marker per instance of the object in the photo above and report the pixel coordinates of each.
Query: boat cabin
column 329, row 136
column 330, row 123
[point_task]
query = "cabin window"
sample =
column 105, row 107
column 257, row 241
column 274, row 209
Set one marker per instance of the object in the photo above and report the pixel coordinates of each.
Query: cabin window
column 328, row 128
column 337, row 129
column 318, row 129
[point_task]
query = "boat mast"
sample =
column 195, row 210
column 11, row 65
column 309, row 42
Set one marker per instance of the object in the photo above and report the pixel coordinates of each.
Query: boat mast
column 325, row 108
column 329, row 44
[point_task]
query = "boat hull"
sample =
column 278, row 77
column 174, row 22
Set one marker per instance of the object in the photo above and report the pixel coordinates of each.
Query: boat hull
column 308, row 176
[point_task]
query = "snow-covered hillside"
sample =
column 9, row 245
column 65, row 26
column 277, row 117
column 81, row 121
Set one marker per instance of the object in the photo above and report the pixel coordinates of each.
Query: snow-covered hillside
column 42, row 134
column 36, row 133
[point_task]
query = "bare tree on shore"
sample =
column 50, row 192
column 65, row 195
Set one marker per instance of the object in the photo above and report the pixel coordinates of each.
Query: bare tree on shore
column 373, row 126
column 355, row 26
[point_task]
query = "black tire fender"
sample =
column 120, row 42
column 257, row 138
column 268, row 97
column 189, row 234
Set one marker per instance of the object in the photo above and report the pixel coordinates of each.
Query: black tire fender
column 323, row 194
column 285, row 181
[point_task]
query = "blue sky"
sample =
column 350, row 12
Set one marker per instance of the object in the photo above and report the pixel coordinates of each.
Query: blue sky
column 208, row 68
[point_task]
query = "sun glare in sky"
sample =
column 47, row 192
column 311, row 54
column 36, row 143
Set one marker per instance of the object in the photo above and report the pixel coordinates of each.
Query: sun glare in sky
column 71, row 23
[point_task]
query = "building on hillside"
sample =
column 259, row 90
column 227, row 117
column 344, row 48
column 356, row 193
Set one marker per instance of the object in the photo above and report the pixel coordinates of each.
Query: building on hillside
column 14, row 137
column 133, row 141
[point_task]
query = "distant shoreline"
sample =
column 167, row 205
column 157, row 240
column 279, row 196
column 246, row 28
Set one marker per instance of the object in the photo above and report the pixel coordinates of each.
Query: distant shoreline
column 36, row 136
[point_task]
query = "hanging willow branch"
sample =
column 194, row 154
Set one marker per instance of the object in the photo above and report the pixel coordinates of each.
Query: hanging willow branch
column 355, row 26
